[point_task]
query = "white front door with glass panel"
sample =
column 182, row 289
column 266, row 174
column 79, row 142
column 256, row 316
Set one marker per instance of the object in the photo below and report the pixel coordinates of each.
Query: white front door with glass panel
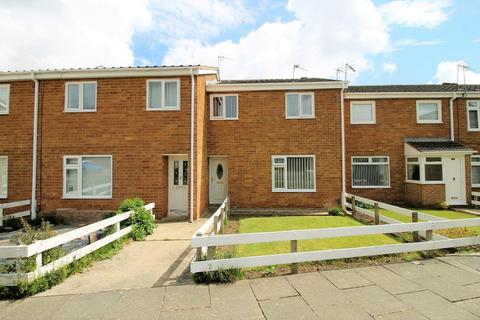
column 218, row 179
column 177, row 185
column 454, row 177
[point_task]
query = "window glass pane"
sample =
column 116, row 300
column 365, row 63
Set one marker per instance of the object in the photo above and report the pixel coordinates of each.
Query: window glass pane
column 3, row 177
column 370, row 175
column 96, row 176
column 72, row 161
column 73, row 96
column 300, row 173
column 154, row 95
column 473, row 119
column 89, row 93
column 231, row 106
column 380, row 159
column 292, row 105
column 185, row 172
column 475, row 174
column 176, row 172
column 279, row 160
column 71, row 183
column 171, row 94
column 4, row 99
column 218, row 106
column 433, row 172
column 476, row 159
column 362, row 112
column 428, row 111
column 412, row 159
column 278, row 173
column 473, row 104
column 413, row 172
column 360, row 160
column 307, row 109
column 434, row 159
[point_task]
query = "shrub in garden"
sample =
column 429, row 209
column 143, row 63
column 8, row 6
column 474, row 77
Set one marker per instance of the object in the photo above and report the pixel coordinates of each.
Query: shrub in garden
column 141, row 220
column 443, row 205
column 335, row 211
column 221, row 275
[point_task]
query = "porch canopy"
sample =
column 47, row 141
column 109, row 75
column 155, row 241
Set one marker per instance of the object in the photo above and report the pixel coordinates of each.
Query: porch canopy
column 434, row 146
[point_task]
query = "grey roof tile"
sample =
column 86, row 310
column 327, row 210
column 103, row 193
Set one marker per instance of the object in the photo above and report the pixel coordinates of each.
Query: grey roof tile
column 437, row 145
column 445, row 87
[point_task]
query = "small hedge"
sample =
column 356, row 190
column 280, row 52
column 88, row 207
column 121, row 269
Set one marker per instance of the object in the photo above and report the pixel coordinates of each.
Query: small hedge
column 221, row 275
column 141, row 220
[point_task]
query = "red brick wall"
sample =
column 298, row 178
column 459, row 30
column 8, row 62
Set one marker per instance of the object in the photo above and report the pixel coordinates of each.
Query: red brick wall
column 16, row 140
column 261, row 132
column 421, row 195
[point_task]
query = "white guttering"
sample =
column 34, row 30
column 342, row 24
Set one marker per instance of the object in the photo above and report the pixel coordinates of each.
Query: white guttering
column 342, row 123
column 219, row 87
column 192, row 144
column 34, row 156
column 405, row 95
column 107, row 73
column 452, row 128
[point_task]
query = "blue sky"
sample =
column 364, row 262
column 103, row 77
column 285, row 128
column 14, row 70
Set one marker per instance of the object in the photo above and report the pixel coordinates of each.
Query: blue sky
column 387, row 41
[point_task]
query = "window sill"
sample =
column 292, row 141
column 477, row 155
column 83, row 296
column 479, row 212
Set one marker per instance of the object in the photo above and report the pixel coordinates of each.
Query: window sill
column 79, row 111
column 223, row 119
column 163, row 109
column 3, row 197
column 371, row 187
column 300, row 118
column 429, row 122
column 425, row 182
column 473, row 186
column 363, row 123
column 86, row 198
column 4, row 113
column 295, row 191
column 473, row 130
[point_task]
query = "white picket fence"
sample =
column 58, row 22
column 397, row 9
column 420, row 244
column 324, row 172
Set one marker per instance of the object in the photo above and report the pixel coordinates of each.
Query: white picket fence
column 24, row 251
column 12, row 205
column 476, row 198
column 294, row 257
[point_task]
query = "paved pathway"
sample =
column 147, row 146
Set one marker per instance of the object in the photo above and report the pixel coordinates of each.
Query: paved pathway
column 443, row 288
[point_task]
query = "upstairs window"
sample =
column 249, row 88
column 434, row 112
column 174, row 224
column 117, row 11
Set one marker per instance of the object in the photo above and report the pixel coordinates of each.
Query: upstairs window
column 300, row 105
column 3, row 177
column 473, row 109
column 370, row 172
column 87, row 177
column 224, row 107
column 81, row 96
column 362, row 112
column 475, row 171
column 4, row 98
column 293, row 173
column 429, row 111
column 163, row 95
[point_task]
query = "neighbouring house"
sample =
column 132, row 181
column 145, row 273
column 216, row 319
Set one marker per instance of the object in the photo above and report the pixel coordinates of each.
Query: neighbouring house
column 180, row 137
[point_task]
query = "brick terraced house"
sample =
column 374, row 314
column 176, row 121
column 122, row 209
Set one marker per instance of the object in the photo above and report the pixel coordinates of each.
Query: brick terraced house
column 79, row 141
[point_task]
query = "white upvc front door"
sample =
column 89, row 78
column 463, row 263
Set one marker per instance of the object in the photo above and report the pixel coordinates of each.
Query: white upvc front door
column 218, row 179
column 178, row 185
column 454, row 178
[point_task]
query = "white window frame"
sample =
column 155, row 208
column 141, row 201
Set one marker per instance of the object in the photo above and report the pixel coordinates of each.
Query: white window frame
column 80, row 96
column 7, row 86
column 300, row 116
column 419, row 162
column 163, row 107
column 285, row 173
column 422, row 161
column 374, row 116
column 223, row 117
column 370, row 162
column 5, row 196
column 439, row 109
column 477, row 109
column 477, row 164
column 78, row 167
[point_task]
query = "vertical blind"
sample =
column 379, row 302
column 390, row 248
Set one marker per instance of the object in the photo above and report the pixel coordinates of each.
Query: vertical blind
column 294, row 173
column 370, row 172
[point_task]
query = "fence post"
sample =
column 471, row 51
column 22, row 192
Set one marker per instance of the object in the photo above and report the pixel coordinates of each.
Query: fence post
column 1, row 217
column 211, row 252
column 293, row 248
column 228, row 207
column 38, row 260
column 199, row 249
column 416, row 236
column 377, row 213
column 222, row 219
column 215, row 225
column 353, row 204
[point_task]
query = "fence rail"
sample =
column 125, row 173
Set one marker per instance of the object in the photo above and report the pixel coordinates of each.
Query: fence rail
column 38, row 247
column 294, row 257
column 12, row 205
column 476, row 198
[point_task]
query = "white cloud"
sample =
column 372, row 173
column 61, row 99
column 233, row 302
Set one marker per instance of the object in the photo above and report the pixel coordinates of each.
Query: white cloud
column 413, row 42
column 416, row 13
column 476, row 40
column 447, row 72
column 321, row 37
column 62, row 33
column 389, row 67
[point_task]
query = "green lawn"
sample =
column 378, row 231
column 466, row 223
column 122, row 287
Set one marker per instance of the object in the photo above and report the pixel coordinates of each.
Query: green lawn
column 267, row 224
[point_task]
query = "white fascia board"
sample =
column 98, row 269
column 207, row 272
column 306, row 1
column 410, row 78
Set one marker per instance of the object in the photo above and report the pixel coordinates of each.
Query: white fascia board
column 410, row 95
column 273, row 86
column 412, row 152
column 107, row 73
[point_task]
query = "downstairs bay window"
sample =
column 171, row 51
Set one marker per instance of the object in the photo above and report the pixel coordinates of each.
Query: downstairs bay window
column 424, row 169
column 370, row 172
column 87, row 177
column 293, row 174
column 475, row 171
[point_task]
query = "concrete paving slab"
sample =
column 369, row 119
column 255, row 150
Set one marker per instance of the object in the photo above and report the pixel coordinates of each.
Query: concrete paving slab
column 86, row 306
column 472, row 305
column 35, row 308
column 186, row 297
column 5, row 306
column 402, row 315
column 234, row 299
column 435, row 307
column 197, row 314
column 411, row 270
column 287, row 308
column 375, row 300
column 456, row 274
column 474, row 286
column 467, row 260
column 388, row 280
column 447, row 288
column 272, row 288
column 137, row 304
column 346, row 311
column 317, row 290
column 345, row 278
